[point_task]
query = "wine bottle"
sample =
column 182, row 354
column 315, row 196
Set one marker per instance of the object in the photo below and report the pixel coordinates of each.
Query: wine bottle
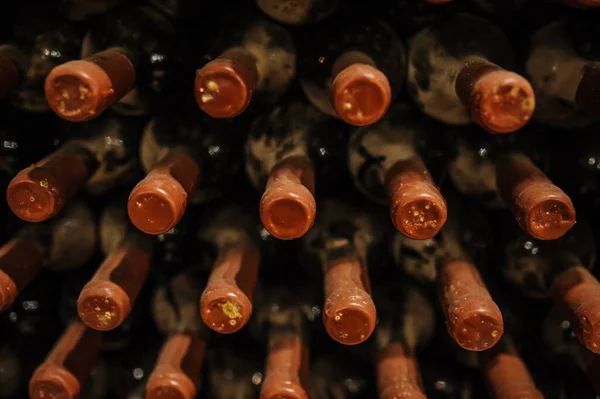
column 581, row 3
column 340, row 374
column 563, row 72
column 182, row 9
column 504, row 172
column 388, row 164
column 558, row 339
column 22, row 144
column 250, row 59
column 233, row 373
column 226, row 303
column 176, row 314
column 128, row 62
column 281, row 319
column 11, row 371
column 177, row 370
column 129, row 369
column 102, row 155
column 444, row 377
column 505, row 373
column 65, row 243
column 107, row 299
column 408, row 17
column 406, row 322
column 33, row 322
column 473, row 319
column 343, row 244
column 580, row 167
column 85, row 10
column 39, row 41
column 175, row 303
column 67, row 365
column 500, row 7
column 355, row 72
column 187, row 158
column 298, row 12
column 281, row 158
column 456, row 75
column 559, row 270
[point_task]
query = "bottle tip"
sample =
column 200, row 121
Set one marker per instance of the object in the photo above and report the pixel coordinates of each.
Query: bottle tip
column 418, row 211
column 9, row 76
column 8, row 291
column 50, row 381
column 78, row 91
column 102, row 305
column 223, row 88
column 361, row 94
column 502, row 101
column 289, row 390
column 403, row 389
column 550, row 218
column 288, row 213
column 31, row 199
column 350, row 317
column 167, row 382
column 225, row 310
column 587, row 95
column 156, row 209
column 478, row 327
column 167, row 392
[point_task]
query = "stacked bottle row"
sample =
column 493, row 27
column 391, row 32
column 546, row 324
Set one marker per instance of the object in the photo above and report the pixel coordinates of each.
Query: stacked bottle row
column 222, row 271
column 289, row 152
column 459, row 69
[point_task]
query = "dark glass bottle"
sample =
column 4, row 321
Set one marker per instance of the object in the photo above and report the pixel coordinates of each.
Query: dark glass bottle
column 65, row 243
column 188, row 158
column 564, row 74
column 233, row 373
column 580, row 164
column 500, row 7
column 450, row 261
column 456, row 75
column 84, row 10
column 338, row 251
column 101, row 155
column 339, row 374
column 33, row 322
column 128, row 370
column 408, row 16
column 282, row 320
column 406, row 322
column 182, row 9
column 503, row 171
column 107, row 299
column 39, row 41
column 284, row 157
column 563, row 349
column 129, row 60
column 352, row 68
column 298, row 12
column 25, row 138
column 560, row 270
column 11, row 371
column 388, row 164
column 444, row 377
column 250, row 60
